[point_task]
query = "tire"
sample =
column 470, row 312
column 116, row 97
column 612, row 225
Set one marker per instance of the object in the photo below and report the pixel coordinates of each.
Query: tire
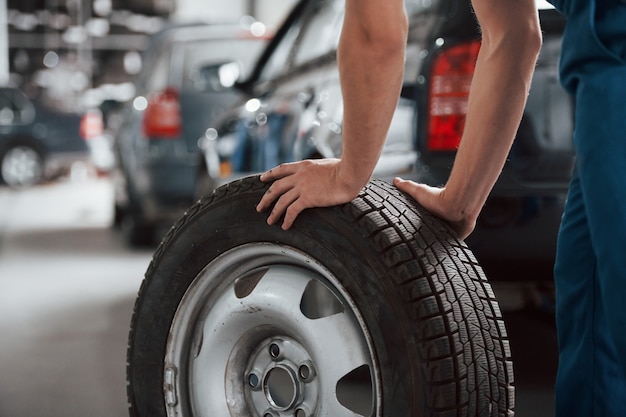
column 136, row 230
column 21, row 166
column 371, row 308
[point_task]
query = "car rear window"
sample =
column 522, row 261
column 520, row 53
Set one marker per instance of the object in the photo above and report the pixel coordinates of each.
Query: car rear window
column 322, row 32
column 244, row 51
column 14, row 107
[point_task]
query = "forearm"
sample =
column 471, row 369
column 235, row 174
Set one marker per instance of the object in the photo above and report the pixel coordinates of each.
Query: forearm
column 371, row 64
column 497, row 99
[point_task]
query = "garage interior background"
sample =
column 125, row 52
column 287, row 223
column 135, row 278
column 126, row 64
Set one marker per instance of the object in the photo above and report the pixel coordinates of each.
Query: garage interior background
column 79, row 53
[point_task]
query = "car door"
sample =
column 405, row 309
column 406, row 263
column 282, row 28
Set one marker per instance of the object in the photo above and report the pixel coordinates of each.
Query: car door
column 289, row 100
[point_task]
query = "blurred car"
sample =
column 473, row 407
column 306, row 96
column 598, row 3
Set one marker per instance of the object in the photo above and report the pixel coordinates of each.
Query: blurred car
column 38, row 142
column 182, row 87
column 293, row 110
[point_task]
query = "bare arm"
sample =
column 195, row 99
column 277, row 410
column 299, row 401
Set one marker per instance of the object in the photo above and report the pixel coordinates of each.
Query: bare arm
column 371, row 63
column 510, row 45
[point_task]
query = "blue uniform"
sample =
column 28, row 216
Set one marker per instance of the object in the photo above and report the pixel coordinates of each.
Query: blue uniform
column 590, row 269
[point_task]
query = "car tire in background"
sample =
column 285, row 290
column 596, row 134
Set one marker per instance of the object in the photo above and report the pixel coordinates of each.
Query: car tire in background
column 137, row 232
column 371, row 308
column 21, row 165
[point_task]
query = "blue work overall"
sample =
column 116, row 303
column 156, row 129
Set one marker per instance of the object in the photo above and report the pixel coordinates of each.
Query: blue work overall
column 590, row 269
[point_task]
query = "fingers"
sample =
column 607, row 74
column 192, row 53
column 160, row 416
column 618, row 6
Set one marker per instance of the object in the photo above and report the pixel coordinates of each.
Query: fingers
column 428, row 197
column 278, row 172
column 295, row 187
column 287, row 205
column 413, row 189
column 284, row 198
column 267, row 200
column 283, row 194
column 291, row 212
column 400, row 183
column 283, row 206
column 273, row 194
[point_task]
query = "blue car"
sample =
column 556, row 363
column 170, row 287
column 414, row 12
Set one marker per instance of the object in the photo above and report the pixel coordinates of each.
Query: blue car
column 38, row 142
column 183, row 86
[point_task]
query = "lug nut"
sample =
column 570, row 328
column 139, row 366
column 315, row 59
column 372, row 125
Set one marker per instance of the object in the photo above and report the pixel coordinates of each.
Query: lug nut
column 304, row 372
column 274, row 350
column 253, row 380
column 300, row 413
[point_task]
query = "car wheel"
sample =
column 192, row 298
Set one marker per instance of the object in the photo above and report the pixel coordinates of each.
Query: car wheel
column 21, row 166
column 371, row 308
column 136, row 232
column 129, row 219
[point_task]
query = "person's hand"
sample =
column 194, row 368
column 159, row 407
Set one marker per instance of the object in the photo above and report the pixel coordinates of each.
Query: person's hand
column 305, row 184
column 437, row 202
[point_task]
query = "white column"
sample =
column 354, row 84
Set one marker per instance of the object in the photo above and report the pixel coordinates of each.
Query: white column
column 4, row 44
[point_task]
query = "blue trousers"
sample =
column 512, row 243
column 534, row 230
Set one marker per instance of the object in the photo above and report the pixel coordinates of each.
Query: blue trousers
column 590, row 269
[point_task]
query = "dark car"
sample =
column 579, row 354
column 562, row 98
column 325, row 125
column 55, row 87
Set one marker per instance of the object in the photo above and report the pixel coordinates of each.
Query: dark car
column 293, row 110
column 38, row 142
column 183, row 86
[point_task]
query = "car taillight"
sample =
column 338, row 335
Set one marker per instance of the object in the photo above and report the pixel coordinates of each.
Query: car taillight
column 162, row 117
column 91, row 125
column 449, row 90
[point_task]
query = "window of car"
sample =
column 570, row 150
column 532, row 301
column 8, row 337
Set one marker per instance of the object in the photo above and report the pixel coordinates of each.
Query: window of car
column 157, row 73
column 14, row 107
column 316, row 32
column 277, row 62
column 203, row 53
column 322, row 31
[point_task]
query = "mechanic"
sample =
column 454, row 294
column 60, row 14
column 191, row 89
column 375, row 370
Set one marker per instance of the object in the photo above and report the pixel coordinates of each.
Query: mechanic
column 590, row 270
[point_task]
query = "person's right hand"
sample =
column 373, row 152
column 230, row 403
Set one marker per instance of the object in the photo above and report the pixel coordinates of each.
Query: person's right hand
column 436, row 201
column 305, row 184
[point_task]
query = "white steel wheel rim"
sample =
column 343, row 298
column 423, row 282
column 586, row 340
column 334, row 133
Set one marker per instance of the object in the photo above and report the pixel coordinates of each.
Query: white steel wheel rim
column 21, row 166
column 265, row 330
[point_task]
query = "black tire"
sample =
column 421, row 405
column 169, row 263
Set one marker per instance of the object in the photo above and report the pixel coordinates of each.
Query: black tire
column 137, row 232
column 369, row 308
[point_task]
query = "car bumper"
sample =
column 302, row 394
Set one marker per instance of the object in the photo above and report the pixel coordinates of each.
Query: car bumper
column 56, row 164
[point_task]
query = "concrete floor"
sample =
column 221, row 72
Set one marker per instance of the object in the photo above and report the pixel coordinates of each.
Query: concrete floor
column 67, row 288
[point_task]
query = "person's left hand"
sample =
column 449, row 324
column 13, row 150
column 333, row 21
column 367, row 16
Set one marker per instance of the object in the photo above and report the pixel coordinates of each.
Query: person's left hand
column 438, row 202
column 305, row 184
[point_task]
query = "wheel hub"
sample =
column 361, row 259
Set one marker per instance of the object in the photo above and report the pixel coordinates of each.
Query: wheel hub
column 281, row 379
